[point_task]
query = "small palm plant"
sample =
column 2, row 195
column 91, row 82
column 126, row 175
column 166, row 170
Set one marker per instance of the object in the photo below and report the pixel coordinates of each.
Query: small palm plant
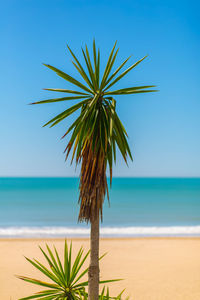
column 65, row 278
column 94, row 136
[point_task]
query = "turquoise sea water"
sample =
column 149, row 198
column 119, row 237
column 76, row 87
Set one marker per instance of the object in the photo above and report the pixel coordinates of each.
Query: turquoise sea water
column 138, row 207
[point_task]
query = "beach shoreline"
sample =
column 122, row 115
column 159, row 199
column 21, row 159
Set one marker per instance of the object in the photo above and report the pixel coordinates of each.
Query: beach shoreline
column 153, row 268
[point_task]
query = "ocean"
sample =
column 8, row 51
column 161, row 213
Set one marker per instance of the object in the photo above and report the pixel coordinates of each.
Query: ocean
column 48, row 207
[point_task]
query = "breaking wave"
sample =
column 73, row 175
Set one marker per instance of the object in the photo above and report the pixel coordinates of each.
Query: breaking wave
column 136, row 231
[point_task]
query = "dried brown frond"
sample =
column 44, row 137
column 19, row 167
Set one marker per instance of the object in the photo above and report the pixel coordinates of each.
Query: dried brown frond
column 93, row 183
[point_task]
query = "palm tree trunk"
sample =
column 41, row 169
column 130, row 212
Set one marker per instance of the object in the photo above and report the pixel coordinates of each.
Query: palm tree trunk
column 93, row 272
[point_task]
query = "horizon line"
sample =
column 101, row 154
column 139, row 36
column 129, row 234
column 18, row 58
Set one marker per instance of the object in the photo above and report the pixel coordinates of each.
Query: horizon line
column 136, row 177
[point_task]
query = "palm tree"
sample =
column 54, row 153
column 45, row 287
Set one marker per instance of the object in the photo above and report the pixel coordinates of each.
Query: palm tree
column 95, row 134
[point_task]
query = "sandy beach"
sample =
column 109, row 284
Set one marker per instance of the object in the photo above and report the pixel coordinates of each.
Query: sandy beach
column 152, row 268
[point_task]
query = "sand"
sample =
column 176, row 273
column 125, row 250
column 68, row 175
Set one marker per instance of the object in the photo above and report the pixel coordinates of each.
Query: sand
column 152, row 268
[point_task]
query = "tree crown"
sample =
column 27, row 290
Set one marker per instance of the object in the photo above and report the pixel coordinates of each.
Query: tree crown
column 98, row 122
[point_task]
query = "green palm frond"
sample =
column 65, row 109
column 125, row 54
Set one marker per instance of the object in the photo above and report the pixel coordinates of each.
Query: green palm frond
column 97, row 131
column 105, row 295
column 65, row 278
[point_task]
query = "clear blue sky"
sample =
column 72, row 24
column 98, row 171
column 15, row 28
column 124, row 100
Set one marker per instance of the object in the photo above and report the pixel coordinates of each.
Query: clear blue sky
column 163, row 128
